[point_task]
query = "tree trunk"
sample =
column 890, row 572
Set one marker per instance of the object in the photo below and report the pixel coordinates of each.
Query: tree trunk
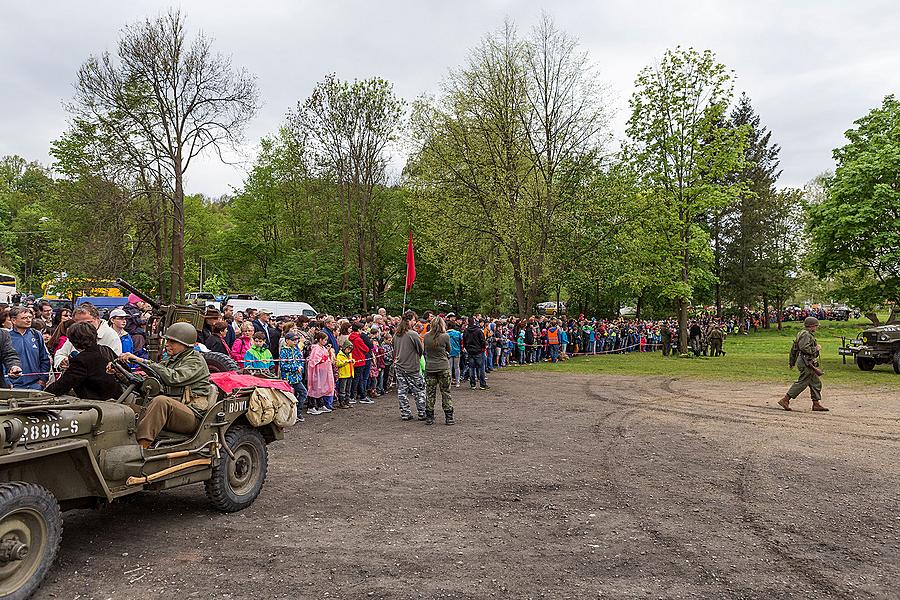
column 639, row 306
column 177, row 292
column 765, row 318
column 682, row 325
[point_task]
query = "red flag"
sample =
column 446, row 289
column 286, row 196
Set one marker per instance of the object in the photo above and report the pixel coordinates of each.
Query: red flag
column 410, row 264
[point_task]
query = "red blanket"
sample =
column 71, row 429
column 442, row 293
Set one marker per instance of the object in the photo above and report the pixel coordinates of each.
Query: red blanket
column 231, row 380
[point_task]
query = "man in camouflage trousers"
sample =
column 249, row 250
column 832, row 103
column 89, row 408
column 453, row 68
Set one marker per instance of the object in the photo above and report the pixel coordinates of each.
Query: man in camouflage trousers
column 807, row 349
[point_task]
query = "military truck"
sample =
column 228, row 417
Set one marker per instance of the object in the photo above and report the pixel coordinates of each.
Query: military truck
column 61, row 453
column 875, row 346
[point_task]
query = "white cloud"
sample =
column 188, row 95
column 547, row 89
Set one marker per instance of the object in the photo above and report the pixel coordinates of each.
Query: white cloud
column 811, row 68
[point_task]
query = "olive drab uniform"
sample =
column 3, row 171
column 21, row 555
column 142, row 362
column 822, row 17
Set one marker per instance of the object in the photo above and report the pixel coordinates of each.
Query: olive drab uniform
column 808, row 356
column 716, row 337
column 185, row 397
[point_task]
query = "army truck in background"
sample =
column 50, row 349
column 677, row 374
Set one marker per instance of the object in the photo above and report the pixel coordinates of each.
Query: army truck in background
column 875, row 346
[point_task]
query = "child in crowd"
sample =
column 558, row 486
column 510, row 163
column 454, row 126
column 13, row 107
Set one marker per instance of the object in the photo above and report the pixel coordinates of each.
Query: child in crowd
column 320, row 376
column 377, row 366
column 258, row 356
column 520, row 343
column 388, row 354
column 344, row 361
column 242, row 344
column 291, row 358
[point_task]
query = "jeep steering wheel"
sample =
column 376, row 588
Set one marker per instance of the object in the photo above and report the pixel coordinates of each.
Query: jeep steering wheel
column 129, row 377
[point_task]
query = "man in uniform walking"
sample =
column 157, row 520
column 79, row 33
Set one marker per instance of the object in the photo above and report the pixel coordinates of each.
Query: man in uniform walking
column 807, row 351
column 716, row 336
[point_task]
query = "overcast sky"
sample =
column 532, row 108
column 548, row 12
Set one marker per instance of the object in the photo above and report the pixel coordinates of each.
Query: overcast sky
column 810, row 67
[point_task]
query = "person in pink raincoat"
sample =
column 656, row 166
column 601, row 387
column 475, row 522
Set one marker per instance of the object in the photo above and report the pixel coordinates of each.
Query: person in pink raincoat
column 320, row 376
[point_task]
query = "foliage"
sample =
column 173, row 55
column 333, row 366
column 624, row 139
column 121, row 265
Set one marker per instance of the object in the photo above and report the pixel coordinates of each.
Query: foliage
column 683, row 153
column 855, row 230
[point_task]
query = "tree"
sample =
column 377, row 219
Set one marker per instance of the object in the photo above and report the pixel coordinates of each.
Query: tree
column 745, row 226
column 683, row 153
column 348, row 127
column 168, row 101
column 855, row 230
column 498, row 147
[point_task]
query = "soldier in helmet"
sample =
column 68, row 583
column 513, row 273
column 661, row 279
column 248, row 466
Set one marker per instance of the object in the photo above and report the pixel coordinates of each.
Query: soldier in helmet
column 807, row 351
column 185, row 379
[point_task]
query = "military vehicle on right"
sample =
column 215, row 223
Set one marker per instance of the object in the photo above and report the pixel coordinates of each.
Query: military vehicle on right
column 875, row 346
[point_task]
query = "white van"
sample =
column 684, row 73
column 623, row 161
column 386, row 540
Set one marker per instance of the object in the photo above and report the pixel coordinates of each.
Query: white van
column 278, row 309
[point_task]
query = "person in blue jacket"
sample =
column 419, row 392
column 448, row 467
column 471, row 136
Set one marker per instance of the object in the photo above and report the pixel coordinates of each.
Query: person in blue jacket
column 29, row 345
column 455, row 350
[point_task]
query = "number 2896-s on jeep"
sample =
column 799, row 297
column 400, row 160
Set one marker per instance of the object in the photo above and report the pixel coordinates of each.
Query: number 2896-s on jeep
column 59, row 453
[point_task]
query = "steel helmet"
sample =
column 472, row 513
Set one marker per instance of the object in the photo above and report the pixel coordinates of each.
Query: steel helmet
column 810, row 321
column 183, row 333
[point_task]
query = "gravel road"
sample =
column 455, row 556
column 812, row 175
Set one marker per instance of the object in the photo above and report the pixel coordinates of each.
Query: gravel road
column 549, row 486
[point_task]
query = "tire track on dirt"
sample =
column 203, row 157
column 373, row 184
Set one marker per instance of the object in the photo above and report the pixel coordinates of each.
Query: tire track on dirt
column 619, row 422
column 754, row 527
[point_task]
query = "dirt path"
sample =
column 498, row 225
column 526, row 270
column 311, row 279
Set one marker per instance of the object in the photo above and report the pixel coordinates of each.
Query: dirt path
column 550, row 486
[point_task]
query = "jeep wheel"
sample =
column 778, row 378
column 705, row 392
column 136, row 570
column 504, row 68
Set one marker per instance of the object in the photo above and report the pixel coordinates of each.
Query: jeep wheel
column 219, row 363
column 236, row 482
column 865, row 363
column 30, row 532
column 896, row 362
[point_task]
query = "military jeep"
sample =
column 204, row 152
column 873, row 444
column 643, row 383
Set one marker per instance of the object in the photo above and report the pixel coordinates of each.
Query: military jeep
column 61, row 453
column 875, row 346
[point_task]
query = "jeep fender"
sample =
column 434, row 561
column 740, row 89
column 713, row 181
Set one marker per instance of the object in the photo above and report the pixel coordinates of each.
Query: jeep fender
column 66, row 468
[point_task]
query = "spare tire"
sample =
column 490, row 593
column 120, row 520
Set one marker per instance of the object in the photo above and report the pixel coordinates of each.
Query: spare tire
column 219, row 363
column 865, row 363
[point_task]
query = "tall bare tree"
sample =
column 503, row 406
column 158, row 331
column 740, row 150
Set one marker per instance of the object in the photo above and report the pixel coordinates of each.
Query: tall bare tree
column 349, row 127
column 497, row 145
column 174, row 99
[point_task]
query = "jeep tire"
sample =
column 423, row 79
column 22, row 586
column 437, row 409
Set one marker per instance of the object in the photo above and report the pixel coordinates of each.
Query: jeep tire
column 30, row 532
column 236, row 482
column 865, row 363
column 896, row 362
column 219, row 363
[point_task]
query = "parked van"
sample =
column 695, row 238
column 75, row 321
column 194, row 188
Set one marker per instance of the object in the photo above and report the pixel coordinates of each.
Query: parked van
column 278, row 309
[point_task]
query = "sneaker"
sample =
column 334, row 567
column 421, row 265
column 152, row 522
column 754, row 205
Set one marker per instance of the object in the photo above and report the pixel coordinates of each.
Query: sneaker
column 300, row 419
column 472, row 387
column 422, row 416
column 485, row 387
column 367, row 401
column 457, row 385
column 324, row 409
column 406, row 417
column 352, row 401
column 313, row 411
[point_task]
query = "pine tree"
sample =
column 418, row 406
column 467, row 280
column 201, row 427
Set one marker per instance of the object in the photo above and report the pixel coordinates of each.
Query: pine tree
column 744, row 226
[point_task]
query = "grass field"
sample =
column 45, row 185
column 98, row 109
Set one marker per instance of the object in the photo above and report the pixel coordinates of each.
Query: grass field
column 760, row 357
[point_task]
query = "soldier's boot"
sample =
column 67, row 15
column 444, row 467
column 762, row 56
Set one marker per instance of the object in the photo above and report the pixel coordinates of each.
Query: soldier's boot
column 785, row 402
column 818, row 407
column 429, row 417
column 448, row 417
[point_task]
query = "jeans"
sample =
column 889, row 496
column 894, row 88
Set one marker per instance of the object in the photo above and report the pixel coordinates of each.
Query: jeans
column 344, row 389
column 454, row 369
column 361, row 381
column 476, row 369
column 554, row 352
column 301, row 393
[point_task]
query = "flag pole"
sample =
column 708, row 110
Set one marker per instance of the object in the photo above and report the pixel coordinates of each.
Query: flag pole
column 405, row 287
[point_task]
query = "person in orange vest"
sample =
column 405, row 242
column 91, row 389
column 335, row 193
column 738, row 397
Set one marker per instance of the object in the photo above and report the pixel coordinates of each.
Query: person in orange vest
column 553, row 341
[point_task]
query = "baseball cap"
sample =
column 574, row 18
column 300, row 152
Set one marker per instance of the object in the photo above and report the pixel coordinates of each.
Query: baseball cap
column 117, row 312
column 291, row 335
